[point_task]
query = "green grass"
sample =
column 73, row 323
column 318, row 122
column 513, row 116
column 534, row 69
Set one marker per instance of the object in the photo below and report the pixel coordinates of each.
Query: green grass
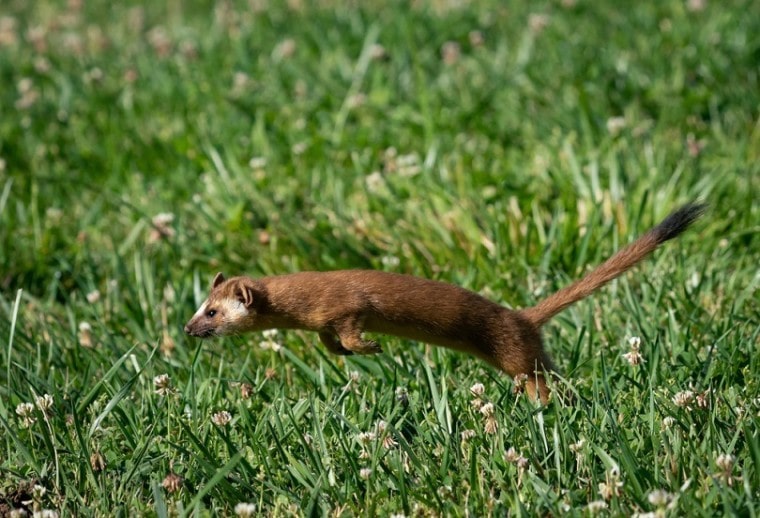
column 510, row 168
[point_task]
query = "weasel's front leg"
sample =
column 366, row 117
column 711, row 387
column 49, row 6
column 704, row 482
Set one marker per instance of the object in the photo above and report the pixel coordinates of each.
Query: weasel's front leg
column 350, row 334
column 333, row 344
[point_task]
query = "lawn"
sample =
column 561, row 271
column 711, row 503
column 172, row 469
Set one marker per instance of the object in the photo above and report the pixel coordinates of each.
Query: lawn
column 506, row 147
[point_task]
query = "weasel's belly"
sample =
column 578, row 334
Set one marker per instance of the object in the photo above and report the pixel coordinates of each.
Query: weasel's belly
column 426, row 334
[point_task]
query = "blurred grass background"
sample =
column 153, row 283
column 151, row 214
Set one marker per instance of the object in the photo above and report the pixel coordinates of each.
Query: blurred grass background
column 506, row 148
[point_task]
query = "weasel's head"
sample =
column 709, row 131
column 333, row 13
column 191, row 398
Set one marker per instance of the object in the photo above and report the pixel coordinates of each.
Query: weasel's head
column 229, row 309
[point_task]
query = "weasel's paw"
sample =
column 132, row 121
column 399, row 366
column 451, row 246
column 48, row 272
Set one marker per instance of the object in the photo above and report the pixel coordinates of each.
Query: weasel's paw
column 369, row 347
column 333, row 344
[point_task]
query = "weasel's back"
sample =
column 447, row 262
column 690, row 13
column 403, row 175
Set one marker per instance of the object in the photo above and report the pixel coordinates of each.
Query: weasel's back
column 396, row 295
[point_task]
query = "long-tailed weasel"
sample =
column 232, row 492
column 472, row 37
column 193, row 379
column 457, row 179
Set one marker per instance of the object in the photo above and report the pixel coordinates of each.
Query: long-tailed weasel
column 341, row 305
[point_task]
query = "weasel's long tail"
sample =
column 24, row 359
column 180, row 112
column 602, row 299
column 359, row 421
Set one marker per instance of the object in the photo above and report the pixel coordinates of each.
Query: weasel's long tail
column 616, row 265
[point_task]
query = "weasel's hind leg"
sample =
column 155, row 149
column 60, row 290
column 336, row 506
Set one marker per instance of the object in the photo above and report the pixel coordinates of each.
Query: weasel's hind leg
column 521, row 353
column 350, row 334
column 536, row 387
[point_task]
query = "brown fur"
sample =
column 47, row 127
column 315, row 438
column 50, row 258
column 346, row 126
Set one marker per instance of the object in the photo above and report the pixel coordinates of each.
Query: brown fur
column 341, row 305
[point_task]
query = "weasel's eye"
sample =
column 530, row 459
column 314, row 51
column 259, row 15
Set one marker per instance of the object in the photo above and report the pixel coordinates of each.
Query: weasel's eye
column 211, row 313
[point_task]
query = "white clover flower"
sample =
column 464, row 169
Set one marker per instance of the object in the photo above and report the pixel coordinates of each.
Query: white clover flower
column 54, row 214
column 696, row 6
column 161, row 227
column 245, row 510
column 450, row 52
column 93, row 296
column 97, row 462
column 26, row 412
column 659, row 498
column 476, row 38
column 390, row 261
column 366, row 437
column 633, row 358
column 513, row 457
column 615, row 125
column 240, row 80
column 172, row 482
column 38, row 492
column 389, row 442
column 257, row 162
column 299, row 148
column 725, row 461
column 684, row 399
column 444, row 492
column 222, row 418
column 375, row 182
column 537, row 22
column 162, row 385
column 611, row 487
column 520, row 381
column 365, row 473
column 577, row 449
column 284, row 49
column 596, row 506
column 85, row 334
column 703, row 399
column 270, row 344
column 377, row 51
column 408, row 165
column 487, row 409
column 44, row 403
column 466, row 435
column 353, row 380
column 578, row 446
column 491, row 426
column 477, row 389
column 605, row 490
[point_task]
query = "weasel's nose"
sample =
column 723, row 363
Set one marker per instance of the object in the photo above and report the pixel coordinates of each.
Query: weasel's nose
column 187, row 329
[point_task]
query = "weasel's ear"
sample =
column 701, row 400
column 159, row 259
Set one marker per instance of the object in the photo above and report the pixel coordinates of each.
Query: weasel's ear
column 246, row 294
column 218, row 279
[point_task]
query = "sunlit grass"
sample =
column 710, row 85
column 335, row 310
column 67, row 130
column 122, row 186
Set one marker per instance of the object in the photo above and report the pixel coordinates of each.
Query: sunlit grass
column 506, row 149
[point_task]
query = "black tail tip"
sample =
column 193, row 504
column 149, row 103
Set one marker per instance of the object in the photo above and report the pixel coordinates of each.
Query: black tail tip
column 679, row 221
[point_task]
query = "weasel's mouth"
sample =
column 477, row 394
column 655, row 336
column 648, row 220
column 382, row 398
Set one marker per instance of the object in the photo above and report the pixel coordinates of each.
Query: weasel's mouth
column 200, row 333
